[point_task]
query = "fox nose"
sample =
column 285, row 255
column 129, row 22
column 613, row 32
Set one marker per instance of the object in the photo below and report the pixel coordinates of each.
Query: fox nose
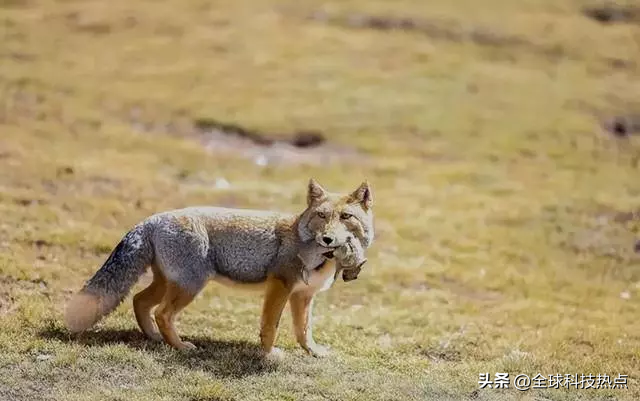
column 327, row 240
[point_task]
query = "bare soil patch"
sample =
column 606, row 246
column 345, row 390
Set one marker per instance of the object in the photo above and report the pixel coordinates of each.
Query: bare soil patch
column 623, row 125
column 306, row 146
column 611, row 13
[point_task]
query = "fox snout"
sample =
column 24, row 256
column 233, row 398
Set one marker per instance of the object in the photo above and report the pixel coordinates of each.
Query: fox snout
column 332, row 239
column 327, row 240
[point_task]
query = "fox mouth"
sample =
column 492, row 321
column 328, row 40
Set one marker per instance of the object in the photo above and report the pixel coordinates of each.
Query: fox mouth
column 329, row 254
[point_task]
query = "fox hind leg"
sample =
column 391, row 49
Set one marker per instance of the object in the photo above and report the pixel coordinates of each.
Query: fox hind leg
column 174, row 300
column 145, row 301
column 275, row 299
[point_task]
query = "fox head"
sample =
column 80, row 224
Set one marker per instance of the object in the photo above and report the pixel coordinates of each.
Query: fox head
column 331, row 218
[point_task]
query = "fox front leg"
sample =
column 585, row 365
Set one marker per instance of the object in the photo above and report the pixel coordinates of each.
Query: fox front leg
column 301, row 305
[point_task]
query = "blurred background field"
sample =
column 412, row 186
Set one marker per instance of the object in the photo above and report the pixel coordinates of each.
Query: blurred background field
column 499, row 138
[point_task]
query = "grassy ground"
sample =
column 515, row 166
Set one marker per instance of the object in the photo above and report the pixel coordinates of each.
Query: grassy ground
column 503, row 209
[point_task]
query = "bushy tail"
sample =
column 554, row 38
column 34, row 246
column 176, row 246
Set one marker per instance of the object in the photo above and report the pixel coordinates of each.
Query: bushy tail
column 111, row 284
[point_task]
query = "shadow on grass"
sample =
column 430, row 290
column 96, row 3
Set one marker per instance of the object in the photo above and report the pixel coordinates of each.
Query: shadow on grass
column 223, row 358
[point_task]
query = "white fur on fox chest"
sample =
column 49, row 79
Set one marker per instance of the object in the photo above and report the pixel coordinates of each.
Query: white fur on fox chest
column 319, row 280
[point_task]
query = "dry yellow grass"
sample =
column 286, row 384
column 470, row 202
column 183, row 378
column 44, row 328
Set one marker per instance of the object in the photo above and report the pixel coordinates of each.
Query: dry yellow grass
column 501, row 248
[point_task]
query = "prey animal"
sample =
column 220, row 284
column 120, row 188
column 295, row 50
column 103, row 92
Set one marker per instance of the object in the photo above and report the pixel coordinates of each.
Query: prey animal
column 350, row 257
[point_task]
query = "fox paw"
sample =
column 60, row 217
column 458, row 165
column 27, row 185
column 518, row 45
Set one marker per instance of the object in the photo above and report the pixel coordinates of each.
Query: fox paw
column 185, row 346
column 275, row 355
column 318, row 351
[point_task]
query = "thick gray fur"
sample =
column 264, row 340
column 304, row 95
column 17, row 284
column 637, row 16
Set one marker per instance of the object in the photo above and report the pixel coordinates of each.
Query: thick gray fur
column 192, row 245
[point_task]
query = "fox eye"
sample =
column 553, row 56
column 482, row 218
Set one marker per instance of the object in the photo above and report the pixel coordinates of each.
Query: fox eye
column 345, row 216
column 322, row 215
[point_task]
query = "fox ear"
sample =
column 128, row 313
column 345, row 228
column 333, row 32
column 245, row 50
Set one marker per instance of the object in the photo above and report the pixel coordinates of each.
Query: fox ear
column 363, row 195
column 316, row 192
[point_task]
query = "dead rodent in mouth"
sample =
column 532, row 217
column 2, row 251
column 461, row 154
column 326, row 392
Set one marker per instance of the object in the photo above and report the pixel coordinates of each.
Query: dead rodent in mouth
column 349, row 258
